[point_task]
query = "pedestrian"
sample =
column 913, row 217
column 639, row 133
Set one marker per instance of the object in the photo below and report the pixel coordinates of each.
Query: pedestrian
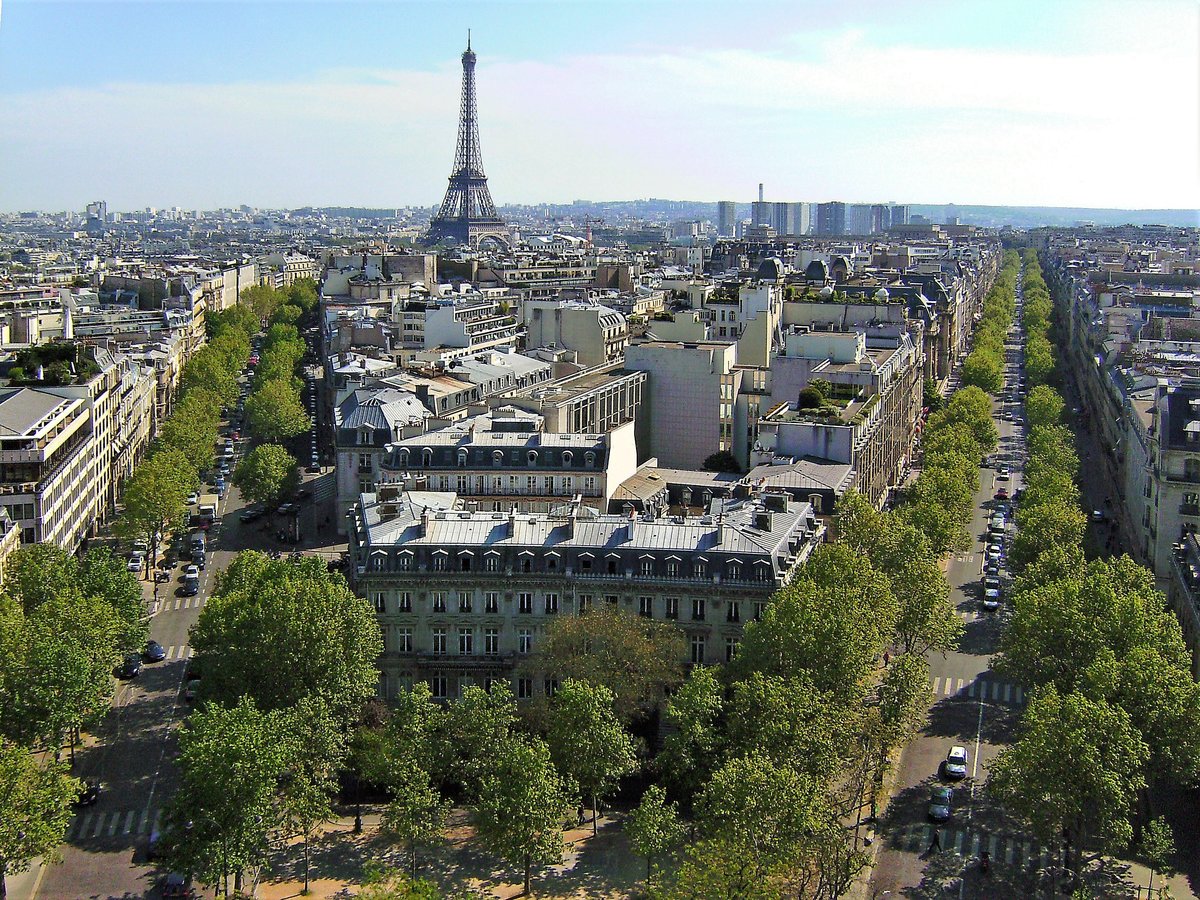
column 887, row 658
column 580, row 813
column 935, row 842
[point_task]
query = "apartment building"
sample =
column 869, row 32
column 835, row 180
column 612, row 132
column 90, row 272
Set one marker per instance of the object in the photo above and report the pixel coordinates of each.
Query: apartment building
column 597, row 333
column 464, row 596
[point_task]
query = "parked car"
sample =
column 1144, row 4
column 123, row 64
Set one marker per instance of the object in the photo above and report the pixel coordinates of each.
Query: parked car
column 130, row 667
column 250, row 514
column 135, row 562
column 940, row 799
column 193, row 498
column 177, row 887
column 1097, row 515
column 154, row 652
column 1002, row 473
column 991, row 598
column 955, row 766
column 286, row 509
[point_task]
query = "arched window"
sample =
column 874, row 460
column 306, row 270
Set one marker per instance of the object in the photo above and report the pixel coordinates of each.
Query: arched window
column 589, row 459
column 462, row 458
column 815, row 500
column 402, row 459
column 568, row 457
column 531, row 457
column 426, row 458
column 497, row 457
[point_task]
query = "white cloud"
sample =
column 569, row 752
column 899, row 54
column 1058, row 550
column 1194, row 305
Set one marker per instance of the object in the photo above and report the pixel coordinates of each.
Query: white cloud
column 838, row 115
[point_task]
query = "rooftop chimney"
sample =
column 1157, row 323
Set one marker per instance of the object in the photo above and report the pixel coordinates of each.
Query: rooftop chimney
column 760, row 192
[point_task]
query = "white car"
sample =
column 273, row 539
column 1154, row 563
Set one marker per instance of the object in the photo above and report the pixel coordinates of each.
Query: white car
column 135, row 562
column 955, row 766
column 193, row 498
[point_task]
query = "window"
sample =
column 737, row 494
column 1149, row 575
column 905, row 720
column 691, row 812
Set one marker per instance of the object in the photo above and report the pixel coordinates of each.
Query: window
column 531, row 459
column 525, row 603
column 466, row 641
column 525, row 641
column 647, row 568
column 497, row 457
column 585, row 565
column 404, row 561
column 438, row 602
column 697, row 647
column 464, row 563
column 646, row 606
column 524, row 688
column 589, row 459
column 439, row 639
column 611, row 600
column 567, row 458
column 437, row 686
column 550, row 686
column 585, row 603
column 378, row 600
column 760, row 606
column 491, row 641
column 734, row 611
column 404, row 640
column 551, row 603
column 531, row 484
column 589, row 484
column 364, row 462
column 439, row 562
column 491, row 602
column 672, row 611
column 701, row 569
column 730, row 649
column 698, row 605
column 402, row 459
column 426, row 458
column 462, row 458
column 548, row 485
column 672, row 568
column 491, row 563
column 463, row 483
column 464, row 601
column 735, row 571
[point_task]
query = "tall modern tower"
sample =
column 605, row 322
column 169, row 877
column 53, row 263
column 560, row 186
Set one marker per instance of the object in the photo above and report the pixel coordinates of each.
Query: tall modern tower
column 467, row 214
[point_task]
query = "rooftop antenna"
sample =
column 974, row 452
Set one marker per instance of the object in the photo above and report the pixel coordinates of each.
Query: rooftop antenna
column 468, row 38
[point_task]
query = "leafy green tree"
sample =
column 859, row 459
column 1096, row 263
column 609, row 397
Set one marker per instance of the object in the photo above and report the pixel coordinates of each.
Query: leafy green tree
column 472, row 726
column 155, row 499
column 35, row 809
column 231, row 762
column 262, row 300
column 37, row 573
column 397, row 886
column 984, row 370
column 1158, row 847
column 274, row 412
column 287, row 315
column 103, row 575
column 417, row 810
column 635, row 658
column 207, row 369
column 1043, row 406
column 788, row 721
column 1047, row 526
column 302, row 293
column 192, row 429
column 693, row 748
column 521, row 803
column 279, row 631
column 587, row 743
column 831, row 622
column 721, row 461
column 1074, row 771
column 266, row 473
column 653, row 826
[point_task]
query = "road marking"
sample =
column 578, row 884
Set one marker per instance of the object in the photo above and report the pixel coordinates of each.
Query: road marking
column 993, row 845
column 157, row 818
column 129, row 820
column 99, row 825
column 114, row 824
column 81, row 831
column 971, row 688
column 170, row 652
column 177, row 602
column 959, row 840
column 976, row 841
column 1018, row 695
column 143, row 821
column 958, row 689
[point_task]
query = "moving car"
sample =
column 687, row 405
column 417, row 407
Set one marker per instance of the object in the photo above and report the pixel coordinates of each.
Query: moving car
column 1001, row 494
column 940, row 799
column 1002, row 473
column 154, row 652
column 1097, row 515
column 955, row 766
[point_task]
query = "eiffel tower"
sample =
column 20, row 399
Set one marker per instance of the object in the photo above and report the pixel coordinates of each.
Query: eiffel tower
column 467, row 214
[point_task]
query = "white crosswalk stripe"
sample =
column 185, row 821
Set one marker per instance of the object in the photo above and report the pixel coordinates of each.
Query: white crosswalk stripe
column 93, row 825
column 129, row 820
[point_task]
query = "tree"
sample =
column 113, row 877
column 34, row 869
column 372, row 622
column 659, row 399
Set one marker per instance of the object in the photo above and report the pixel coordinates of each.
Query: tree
column 192, row 429
column 266, row 473
column 788, row 721
column 155, row 499
column 692, row 749
column 231, row 762
column 1043, row 406
column 587, row 743
column 37, row 573
column 103, row 575
column 722, row 461
column 1044, row 527
column 983, row 369
column 35, row 809
column 261, row 299
column 1074, row 771
column 317, row 749
column 280, row 631
column 417, row 810
column 207, row 369
column 1157, row 846
column 397, row 886
column 473, row 724
column 635, row 658
column 274, row 412
column 653, row 826
column 519, row 812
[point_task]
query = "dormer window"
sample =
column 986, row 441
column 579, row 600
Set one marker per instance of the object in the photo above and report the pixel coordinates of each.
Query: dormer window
column 497, row 457
column 589, row 459
column 462, row 458
column 366, row 436
column 402, row 459
column 531, row 458
column 568, row 457
column 426, row 458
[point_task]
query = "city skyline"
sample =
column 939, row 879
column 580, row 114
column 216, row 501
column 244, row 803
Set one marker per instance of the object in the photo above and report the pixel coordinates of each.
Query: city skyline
column 807, row 100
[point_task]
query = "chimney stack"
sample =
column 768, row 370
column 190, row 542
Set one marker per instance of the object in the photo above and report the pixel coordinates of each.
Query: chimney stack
column 760, row 192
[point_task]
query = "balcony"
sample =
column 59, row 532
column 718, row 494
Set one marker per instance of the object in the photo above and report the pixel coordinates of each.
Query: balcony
column 1189, row 509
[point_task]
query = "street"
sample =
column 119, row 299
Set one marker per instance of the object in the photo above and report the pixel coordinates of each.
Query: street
column 971, row 707
column 132, row 751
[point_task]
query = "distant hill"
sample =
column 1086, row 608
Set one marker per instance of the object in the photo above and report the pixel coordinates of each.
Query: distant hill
column 1034, row 216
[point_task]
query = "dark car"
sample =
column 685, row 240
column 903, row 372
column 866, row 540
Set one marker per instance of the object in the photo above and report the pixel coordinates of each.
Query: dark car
column 940, row 799
column 177, row 887
column 131, row 667
column 154, row 652
column 88, row 794
column 198, row 559
column 250, row 514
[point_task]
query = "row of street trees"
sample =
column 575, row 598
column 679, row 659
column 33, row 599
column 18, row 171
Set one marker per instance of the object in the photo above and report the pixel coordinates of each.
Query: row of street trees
column 1114, row 708
column 984, row 365
column 1040, row 358
column 64, row 624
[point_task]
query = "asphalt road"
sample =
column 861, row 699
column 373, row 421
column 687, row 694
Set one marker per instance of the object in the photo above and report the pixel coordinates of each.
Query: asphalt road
column 971, row 707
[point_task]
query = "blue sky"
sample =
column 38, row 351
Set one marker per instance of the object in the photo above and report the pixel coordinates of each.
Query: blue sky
column 206, row 104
